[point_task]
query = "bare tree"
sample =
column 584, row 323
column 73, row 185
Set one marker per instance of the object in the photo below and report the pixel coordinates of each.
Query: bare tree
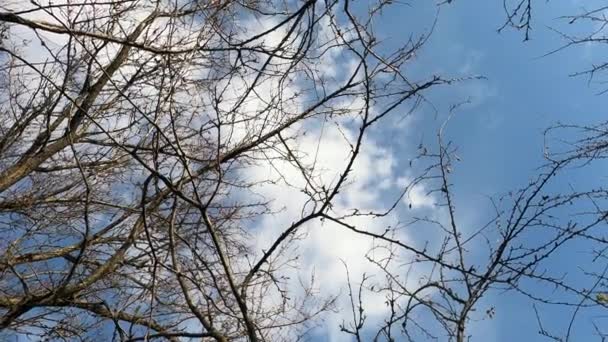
column 129, row 131
column 588, row 25
column 433, row 291
column 577, row 148
column 136, row 137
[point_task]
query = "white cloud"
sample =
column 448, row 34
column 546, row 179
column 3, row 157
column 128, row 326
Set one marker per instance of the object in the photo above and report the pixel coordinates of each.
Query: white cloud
column 417, row 195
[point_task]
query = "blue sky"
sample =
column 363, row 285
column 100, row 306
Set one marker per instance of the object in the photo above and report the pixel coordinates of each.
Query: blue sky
column 500, row 134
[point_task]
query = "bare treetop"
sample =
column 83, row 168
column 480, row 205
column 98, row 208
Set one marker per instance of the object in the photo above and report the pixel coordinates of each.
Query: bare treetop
column 164, row 163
